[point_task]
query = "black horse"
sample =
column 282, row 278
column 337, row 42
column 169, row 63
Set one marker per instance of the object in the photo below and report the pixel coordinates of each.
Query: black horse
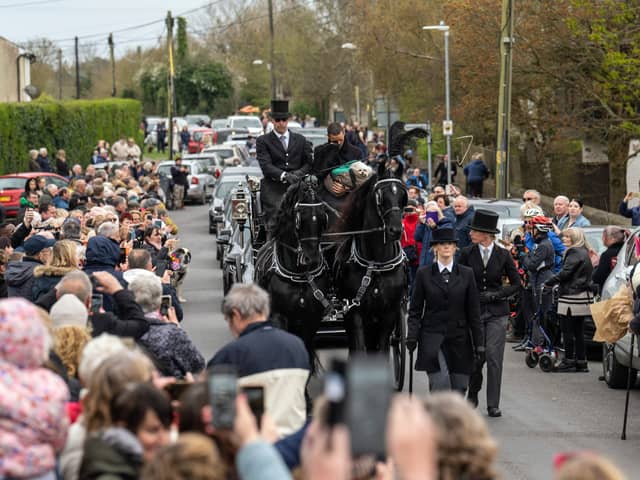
column 369, row 269
column 291, row 266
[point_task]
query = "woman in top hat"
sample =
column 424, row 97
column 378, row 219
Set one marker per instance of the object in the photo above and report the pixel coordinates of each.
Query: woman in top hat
column 444, row 318
column 490, row 264
column 284, row 156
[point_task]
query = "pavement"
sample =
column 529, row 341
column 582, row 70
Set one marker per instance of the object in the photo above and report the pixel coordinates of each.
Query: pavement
column 543, row 413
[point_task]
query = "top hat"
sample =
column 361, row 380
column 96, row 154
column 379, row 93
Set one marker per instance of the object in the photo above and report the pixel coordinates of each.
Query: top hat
column 484, row 221
column 443, row 235
column 280, row 109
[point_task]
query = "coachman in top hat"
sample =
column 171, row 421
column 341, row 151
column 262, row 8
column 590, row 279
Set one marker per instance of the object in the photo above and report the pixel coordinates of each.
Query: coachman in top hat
column 284, row 156
column 490, row 264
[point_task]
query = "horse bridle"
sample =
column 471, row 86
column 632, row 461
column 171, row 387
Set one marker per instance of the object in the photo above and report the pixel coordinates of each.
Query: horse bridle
column 377, row 189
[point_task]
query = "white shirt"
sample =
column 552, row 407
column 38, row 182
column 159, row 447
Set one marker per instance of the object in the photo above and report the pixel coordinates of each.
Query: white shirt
column 483, row 248
column 448, row 266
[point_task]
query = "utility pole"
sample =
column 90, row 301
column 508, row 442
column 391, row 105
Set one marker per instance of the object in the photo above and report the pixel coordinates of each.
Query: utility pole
column 169, row 23
column 113, row 66
column 449, row 130
column 504, row 102
column 59, row 55
column 272, row 51
column 429, row 160
column 77, row 70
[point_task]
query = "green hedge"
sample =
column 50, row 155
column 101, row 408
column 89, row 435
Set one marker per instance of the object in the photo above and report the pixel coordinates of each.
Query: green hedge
column 74, row 126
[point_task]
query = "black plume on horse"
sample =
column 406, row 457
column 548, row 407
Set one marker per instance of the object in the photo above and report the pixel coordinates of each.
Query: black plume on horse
column 291, row 266
column 369, row 270
column 398, row 138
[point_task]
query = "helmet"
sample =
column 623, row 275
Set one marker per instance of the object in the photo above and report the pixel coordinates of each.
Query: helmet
column 533, row 212
column 542, row 223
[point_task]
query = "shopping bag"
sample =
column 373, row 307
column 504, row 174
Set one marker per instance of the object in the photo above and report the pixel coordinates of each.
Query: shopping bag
column 612, row 316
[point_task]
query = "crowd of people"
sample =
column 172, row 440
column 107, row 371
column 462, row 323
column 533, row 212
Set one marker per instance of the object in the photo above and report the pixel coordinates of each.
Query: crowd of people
column 99, row 379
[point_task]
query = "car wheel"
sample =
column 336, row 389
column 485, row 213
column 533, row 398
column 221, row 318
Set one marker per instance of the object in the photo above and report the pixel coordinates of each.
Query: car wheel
column 203, row 197
column 615, row 374
column 212, row 228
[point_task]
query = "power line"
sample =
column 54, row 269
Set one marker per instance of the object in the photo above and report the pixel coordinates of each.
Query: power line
column 27, row 4
column 136, row 27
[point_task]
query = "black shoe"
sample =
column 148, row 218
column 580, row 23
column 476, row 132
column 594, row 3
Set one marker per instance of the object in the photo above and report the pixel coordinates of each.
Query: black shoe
column 494, row 412
column 582, row 366
column 566, row 366
column 472, row 398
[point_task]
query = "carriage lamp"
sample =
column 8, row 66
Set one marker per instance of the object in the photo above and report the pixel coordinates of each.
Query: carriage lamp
column 239, row 207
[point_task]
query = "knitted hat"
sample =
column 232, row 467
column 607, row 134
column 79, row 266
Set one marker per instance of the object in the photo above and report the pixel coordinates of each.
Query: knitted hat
column 69, row 310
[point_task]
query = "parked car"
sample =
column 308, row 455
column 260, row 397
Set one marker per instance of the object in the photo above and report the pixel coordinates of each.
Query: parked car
column 616, row 359
column 504, row 208
column 231, row 177
column 309, row 131
column 221, row 135
column 229, row 151
column 212, row 161
column 251, row 123
column 218, row 123
column 201, row 137
column 12, row 186
column 201, row 182
column 197, row 120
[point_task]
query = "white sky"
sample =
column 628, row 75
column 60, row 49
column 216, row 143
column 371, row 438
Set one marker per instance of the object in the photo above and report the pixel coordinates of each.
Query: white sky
column 22, row 20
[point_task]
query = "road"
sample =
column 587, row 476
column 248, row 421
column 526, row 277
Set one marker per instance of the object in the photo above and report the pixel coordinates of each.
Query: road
column 543, row 413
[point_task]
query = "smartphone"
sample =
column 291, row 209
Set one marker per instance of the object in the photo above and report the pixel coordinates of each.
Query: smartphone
column 123, row 256
column 223, row 388
column 96, row 302
column 409, row 210
column 431, row 215
column 175, row 390
column 335, row 391
column 165, row 305
column 255, row 397
column 132, row 234
column 157, row 224
column 149, row 218
column 369, row 392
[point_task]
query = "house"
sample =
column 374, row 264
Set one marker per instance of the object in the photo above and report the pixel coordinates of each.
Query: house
column 15, row 65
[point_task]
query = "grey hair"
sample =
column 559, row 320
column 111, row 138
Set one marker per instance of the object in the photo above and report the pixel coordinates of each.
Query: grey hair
column 561, row 197
column 96, row 352
column 108, row 229
column 248, row 299
column 535, row 192
column 614, row 233
column 147, row 290
column 76, row 283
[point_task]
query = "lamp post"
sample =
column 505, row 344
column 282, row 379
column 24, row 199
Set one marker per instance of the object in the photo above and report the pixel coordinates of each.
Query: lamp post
column 356, row 89
column 447, row 125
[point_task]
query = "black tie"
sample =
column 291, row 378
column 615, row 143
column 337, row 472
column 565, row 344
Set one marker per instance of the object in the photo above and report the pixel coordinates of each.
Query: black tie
column 445, row 274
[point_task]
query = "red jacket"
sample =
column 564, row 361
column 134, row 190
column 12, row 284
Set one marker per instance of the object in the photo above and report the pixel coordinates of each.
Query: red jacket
column 409, row 224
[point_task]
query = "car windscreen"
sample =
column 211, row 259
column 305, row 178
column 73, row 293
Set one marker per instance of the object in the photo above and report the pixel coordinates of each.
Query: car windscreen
column 13, row 183
column 249, row 122
column 225, row 153
column 223, row 188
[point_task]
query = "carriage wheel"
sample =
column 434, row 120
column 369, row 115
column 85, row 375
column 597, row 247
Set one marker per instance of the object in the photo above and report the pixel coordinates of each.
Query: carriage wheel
column 399, row 353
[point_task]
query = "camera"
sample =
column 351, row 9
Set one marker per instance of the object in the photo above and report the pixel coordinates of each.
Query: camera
column 239, row 206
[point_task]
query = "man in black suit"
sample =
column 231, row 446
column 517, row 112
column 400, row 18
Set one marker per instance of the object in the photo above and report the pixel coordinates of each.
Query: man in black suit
column 490, row 264
column 284, row 156
column 444, row 318
column 336, row 152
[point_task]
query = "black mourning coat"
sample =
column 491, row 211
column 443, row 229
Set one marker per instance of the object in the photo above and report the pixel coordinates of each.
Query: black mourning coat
column 274, row 161
column 445, row 316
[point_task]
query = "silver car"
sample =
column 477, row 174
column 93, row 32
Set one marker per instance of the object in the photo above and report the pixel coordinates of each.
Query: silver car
column 201, row 182
column 615, row 357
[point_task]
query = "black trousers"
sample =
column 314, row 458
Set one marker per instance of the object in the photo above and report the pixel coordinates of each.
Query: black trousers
column 573, row 337
column 474, row 189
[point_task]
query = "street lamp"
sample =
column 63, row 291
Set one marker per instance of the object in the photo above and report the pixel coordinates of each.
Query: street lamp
column 351, row 46
column 447, row 125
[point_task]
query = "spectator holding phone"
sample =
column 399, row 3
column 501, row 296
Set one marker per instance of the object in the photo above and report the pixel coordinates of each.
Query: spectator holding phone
column 158, row 250
column 431, row 219
column 632, row 213
column 265, row 355
column 19, row 276
column 169, row 346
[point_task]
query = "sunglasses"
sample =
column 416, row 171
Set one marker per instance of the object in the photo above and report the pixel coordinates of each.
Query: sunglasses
column 529, row 199
column 280, row 120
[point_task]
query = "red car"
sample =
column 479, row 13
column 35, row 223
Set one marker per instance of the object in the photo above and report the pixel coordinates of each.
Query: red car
column 201, row 138
column 12, row 186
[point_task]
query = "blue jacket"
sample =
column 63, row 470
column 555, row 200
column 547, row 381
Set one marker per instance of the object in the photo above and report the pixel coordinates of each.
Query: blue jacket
column 581, row 221
column 259, row 460
column 420, row 181
column 476, row 171
column 423, row 234
column 558, row 248
column 44, row 163
column 462, row 227
column 632, row 213
column 102, row 256
column 60, row 202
